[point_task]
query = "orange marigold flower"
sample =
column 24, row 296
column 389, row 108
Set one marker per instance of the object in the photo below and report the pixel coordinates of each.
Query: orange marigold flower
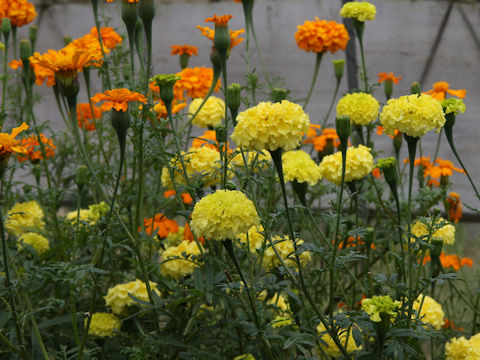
column 234, row 35
column 8, row 143
column 423, row 161
column 196, row 81
column 118, row 99
column 443, row 168
column 321, row 36
column 311, row 133
column 161, row 110
column 354, row 242
column 441, row 88
column 390, row 76
column 376, row 172
column 448, row 324
column 20, row 12
column 91, row 45
column 328, row 135
column 169, row 193
column 219, row 20
column 33, row 150
column 187, row 198
column 466, row 262
column 188, row 235
column 40, row 72
column 184, row 49
column 159, row 225
column 450, row 261
column 110, row 38
column 454, row 207
column 85, row 118
column 380, row 131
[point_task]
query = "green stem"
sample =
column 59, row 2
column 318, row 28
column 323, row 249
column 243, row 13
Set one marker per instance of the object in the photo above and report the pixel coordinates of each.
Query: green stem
column 4, row 82
column 364, row 67
column 314, row 78
column 337, row 87
column 225, row 147
column 270, row 85
column 437, row 147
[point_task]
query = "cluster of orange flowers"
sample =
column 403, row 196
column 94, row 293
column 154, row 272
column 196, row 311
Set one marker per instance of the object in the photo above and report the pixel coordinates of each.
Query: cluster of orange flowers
column 32, row 148
column 20, row 12
column 321, row 36
column 441, row 169
column 159, row 225
column 451, row 261
column 320, row 141
column 85, row 118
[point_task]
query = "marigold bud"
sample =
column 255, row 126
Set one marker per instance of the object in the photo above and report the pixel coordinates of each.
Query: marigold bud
column 344, row 129
column 388, row 88
column 279, row 94
column 146, row 10
column 389, row 168
column 129, row 14
column 234, row 98
column 338, row 66
column 415, row 88
column 166, row 83
column 33, row 34
column 67, row 39
column 81, row 176
column 25, row 51
column 6, row 27
column 221, row 134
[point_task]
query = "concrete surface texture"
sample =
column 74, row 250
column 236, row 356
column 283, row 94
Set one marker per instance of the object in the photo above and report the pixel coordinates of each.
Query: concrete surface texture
column 399, row 41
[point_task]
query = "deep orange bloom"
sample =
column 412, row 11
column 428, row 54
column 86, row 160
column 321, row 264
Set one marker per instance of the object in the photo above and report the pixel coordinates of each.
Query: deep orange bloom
column 34, row 152
column 321, row 36
column 20, row 12
column 311, row 133
column 187, row 235
column 8, row 143
column 376, row 172
column 448, row 324
column 161, row 110
column 380, row 131
column 441, row 88
column 443, row 168
column 85, row 118
column 450, row 261
column 118, row 99
column 184, row 49
column 40, row 72
column 169, row 193
column 196, row 81
column 320, row 142
column 186, row 197
column 454, row 207
column 234, row 39
column 352, row 242
column 110, row 38
column 159, row 225
column 219, row 20
column 390, row 76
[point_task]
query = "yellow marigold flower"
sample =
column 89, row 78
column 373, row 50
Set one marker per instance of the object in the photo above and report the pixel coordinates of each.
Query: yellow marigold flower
column 271, row 126
column 346, row 339
column 177, row 260
column 431, row 311
column 299, row 166
column 104, row 325
column 414, row 115
column 359, row 164
column 234, row 35
column 118, row 99
column 38, row 242
column 253, row 238
column 210, row 115
column 196, row 81
column 90, row 215
column 321, row 36
column 184, row 49
column 441, row 88
column 461, row 349
column 281, row 311
column 110, row 38
column 453, row 105
column 9, row 145
column 445, row 233
column 223, row 215
column 202, row 164
column 286, row 249
column 20, row 12
column 361, row 11
column 119, row 300
column 25, row 217
column 362, row 108
column 33, row 151
column 378, row 305
column 260, row 159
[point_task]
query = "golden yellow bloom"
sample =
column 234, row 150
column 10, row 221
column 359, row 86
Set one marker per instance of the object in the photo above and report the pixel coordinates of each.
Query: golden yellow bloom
column 234, row 35
column 361, row 11
column 20, row 12
column 445, row 233
column 346, row 339
column 286, row 249
column 362, row 108
column 431, row 311
column 210, row 115
column 254, row 238
column 223, row 215
column 271, row 126
column 119, row 300
column 299, row 166
column 414, row 115
column 321, row 36
column 8, row 143
column 118, row 99
column 25, row 217
column 33, row 151
column 463, row 349
column 177, row 261
column 38, row 242
column 202, row 165
column 104, row 325
column 196, row 81
column 359, row 164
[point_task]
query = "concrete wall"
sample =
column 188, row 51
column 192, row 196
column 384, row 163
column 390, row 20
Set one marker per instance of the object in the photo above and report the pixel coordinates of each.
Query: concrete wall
column 399, row 41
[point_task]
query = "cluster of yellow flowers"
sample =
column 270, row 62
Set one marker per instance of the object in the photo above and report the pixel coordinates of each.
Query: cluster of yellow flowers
column 90, row 215
column 360, row 11
column 430, row 312
column 271, row 126
column 446, row 233
column 414, row 115
column 201, row 163
column 359, row 164
column 104, row 325
column 346, row 339
column 253, row 238
column 25, row 217
column 223, row 215
column 210, row 115
column 286, row 250
column 299, row 166
column 463, row 349
column 177, row 260
column 362, row 108
column 118, row 297
column 38, row 242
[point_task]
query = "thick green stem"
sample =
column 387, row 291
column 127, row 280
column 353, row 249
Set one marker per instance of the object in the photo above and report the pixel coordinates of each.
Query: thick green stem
column 314, row 78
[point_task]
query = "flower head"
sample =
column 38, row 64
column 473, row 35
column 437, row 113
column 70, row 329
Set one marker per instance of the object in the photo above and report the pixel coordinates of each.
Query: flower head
column 20, row 12
column 253, row 237
column 210, row 115
column 38, row 242
column 223, row 215
column 453, row 105
column 196, row 81
column 118, row 297
column 33, row 151
column 234, row 35
column 450, row 261
column 110, row 38
column 104, row 325
column 321, row 36
column 41, row 73
column 388, row 77
column 454, row 207
column 118, row 99
column 25, row 217
column 361, row 11
column 441, row 88
column 85, row 118
column 444, row 168
column 299, row 166
column 91, row 215
column 362, row 108
column 463, row 349
column 184, row 49
column 8, row 143
column 286, row 250
column 208, row 139
column 160, row 226
column 161, row 110
column 359, row 164
column 346, row 339
column 271, row 126
column 430, row 312
column 177, row 260
column 445, row 232
column 219, row 20
column 376, row 306
column 414, row 115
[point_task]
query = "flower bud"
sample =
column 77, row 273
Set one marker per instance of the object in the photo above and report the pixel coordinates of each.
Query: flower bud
column 230, row 185
column 25, row 51
column 67, row 39
column 388, row 88
column 234, row 98
column 81, row 176
column 389, row 168
column 146, row 10
column 252, row 80
column 6, row 28
column 184, row 58
column 437, row 249
column 129, row 15
column 33, row 34
column 221, row 39
column 121, row 123
column 166, row 82
column 338, row 66
column 279, row 94
column 344, row 129
column 221, row 134
column 415, row 88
